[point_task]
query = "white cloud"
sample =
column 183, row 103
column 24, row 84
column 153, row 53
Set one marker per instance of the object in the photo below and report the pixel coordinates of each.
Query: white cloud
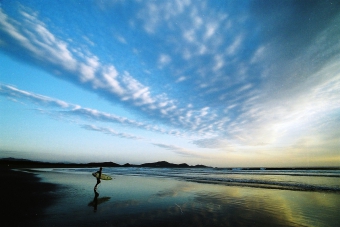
column 110, row 80
column 245, row 87
column 231, row 50
column 154, row 15
column 205, row 111
column 44, row 44
column 219, row 62
column 86, row 68
column 210, row 30
column 258, row 55
column 110, row 131
column 13, row 92
column 214, row 143
column 272, row 121
column 197, row 20
column 136, row 91
column 164, row 60
column 190, row 36
column 178, row 150
column 121, row 39
column 202, row 49
column 182, row 78
column 87, row 72
column 68, row 109
column 88, row 40
column 7, row 26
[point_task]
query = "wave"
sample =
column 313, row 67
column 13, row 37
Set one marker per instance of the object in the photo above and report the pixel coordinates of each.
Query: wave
column 207, row 176
column 265, row 184
column 302, row 180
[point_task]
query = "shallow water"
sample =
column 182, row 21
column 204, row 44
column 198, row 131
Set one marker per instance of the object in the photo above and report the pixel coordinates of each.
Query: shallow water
column 166, row 198
column 303, row 180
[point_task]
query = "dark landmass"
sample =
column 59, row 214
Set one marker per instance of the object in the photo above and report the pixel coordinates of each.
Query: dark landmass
column 24, row 198
column 284, row 168
column 25, row 163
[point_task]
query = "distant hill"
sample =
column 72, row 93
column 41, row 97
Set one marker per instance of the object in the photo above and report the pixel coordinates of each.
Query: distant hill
column 164, row 164
column 25, row 163
column 10, row 159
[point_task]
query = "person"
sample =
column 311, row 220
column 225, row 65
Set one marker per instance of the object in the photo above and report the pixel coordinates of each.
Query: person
column 98, row 178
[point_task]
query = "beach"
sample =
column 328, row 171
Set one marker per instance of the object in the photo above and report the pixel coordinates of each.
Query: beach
column 66, row 198
column 24, row 198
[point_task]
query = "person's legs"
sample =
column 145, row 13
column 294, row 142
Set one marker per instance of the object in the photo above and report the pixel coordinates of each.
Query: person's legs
column 98, row 182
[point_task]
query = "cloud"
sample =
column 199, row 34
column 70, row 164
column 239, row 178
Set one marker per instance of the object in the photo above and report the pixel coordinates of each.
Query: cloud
column 110, row 131
column 88, row 71
column 204, row 44
column 210, row 30
column 121, row 39
column 164, row 60
column 85, row 113
column 182, row 78
column 83, row 69
column 13, row 92
column 68, row 109
column 231, row 50
column 268, row 120
column 215, row 143
column 178, row 150
column 153, row 15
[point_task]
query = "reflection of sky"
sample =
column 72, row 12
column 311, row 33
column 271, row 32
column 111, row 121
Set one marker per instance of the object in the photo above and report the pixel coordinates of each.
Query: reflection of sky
column 145, row 200
column 308, row 180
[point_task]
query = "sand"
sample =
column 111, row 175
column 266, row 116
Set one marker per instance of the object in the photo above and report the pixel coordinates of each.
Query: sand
column 24, row 198
column 67, row 199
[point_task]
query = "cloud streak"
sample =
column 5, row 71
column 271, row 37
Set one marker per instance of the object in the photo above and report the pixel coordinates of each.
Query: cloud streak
column 85, row 113
column 13, row 92
column 179, row 150
column 109, row 131
column 67, row 109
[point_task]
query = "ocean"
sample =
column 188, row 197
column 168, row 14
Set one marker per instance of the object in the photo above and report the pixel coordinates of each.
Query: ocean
column 195, row 197
column 287, row 179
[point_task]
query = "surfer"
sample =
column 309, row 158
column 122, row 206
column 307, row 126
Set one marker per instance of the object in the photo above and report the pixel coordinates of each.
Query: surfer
column 98, row 178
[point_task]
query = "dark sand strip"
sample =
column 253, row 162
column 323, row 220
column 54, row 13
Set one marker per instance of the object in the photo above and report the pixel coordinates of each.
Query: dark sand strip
column 23, row 197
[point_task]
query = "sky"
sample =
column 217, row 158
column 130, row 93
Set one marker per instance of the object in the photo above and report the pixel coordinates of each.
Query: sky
column 219, row 83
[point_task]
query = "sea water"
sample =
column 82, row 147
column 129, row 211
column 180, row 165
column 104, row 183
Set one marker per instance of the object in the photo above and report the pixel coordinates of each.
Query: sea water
column 288, row 179
column 196, row 197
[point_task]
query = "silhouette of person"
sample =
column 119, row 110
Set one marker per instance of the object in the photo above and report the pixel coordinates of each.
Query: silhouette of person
column 98, row 178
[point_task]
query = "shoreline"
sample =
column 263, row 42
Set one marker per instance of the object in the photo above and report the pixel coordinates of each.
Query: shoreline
column 55, row 198
column 24, row 197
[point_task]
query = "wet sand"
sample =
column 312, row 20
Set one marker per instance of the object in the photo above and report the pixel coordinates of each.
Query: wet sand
column 24, row 198
column 68, row 199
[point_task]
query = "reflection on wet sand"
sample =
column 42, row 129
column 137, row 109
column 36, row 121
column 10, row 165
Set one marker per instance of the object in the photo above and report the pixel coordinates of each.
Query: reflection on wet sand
column 169, row 202
column 97, row 201
column 242, row 206
column 176, row 190
column 182, row 203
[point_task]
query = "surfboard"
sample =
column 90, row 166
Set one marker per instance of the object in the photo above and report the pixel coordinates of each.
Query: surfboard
column 102, row 177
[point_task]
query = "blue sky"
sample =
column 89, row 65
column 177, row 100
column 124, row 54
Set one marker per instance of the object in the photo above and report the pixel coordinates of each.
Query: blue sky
column 220, row 83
